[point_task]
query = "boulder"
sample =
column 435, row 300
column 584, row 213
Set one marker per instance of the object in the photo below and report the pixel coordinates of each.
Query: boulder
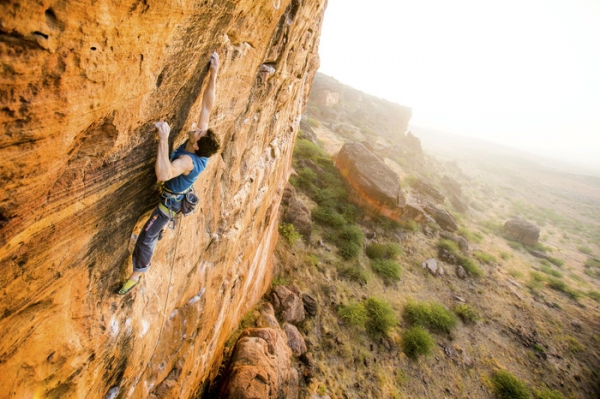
column 267, row 316
column 522, row 231
column 442, row 217
column 461, row 273
column 433, row 267
column 310, row 304
column 296, row 213
column 260, row 367
column 371, row 183
column 288, row 304
column 295, row 340
column 427, row 189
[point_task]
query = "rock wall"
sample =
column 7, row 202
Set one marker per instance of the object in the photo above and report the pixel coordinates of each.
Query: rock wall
column 80, row 89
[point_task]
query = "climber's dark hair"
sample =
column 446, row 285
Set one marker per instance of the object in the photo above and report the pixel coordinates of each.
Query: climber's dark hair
column 208, row 144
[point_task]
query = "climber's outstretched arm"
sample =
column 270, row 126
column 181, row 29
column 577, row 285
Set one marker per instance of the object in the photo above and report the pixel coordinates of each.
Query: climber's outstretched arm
column 208, row 98
column 164, row 168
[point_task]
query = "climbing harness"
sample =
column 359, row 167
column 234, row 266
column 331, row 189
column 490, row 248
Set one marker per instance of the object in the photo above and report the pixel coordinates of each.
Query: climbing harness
column 188, row 199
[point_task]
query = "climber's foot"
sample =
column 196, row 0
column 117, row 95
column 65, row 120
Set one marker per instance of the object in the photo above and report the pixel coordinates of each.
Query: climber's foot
column 128, row 286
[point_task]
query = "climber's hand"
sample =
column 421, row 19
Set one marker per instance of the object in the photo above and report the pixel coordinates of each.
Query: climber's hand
column 214, row 62
column 163, row 130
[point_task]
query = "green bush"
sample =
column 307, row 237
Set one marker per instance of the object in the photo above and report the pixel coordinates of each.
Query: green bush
column 470, row 266
column 305, row 180
column 547, row 393
column 289, row 232
column 448, row 245
column 515, row 245
column 440, row 318
column 354, row 272
column 557, row 262
column 585, row 250
column 383, row 251
column 432, row 315
column 475, row 237
column 416, row 342
column 467, row 313
column 351, row 233
column 485, row 258
column 328, row 216
column 560, row 285
column 353, row 314
column 348, row 250
column 388, row 269
column 549, row 270
column 592, row 262
column 381, row 316
column 595, row 295
column 306, row 149
column 507, row 386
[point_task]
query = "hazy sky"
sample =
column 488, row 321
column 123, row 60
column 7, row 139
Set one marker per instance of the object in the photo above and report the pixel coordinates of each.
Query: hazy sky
column 523, row 72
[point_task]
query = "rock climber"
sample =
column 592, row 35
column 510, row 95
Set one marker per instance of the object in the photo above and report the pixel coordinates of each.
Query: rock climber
column 178, row 172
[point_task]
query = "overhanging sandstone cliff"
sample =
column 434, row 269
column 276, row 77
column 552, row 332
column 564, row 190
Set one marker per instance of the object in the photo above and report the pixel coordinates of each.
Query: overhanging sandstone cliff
column 80, row 88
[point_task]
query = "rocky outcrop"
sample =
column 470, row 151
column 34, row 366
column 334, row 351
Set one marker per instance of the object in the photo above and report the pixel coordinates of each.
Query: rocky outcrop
column 260, row 367
column 443, row 218
column 80, row 89
column 296, row 213
column 522, row 231
column 427, row 189
column 288, row 304
column 372, row 184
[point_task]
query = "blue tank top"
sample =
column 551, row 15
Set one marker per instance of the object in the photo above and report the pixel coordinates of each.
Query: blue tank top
column 181, row 183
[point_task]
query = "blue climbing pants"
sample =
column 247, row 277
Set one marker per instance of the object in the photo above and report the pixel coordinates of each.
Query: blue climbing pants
column 146, row 242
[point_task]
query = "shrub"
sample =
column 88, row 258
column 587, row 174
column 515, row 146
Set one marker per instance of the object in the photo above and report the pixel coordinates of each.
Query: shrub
column 381, row 316
column 351, row 233
column 470, row 236
column 585, row 250
column 348, row 250
column 470, row 266
column 307, row 149
column 448, row 245
column 355, row 273
column 467, row 313
column 432, row 315
column 574, row 345
column 485, row 258
column 305, row 180
column 547, row 393
column 354, row 314
column 440, row 318
column 492, row 227
column 595, row 295
column 289, row 232
column 592, row 262
column 507, row 386
column 556, row 262
column 416, row 342
column 515, row 245
column 561, row 286
column 388, row 269
column 327, row 216
column 383, row 251
column 548, row 270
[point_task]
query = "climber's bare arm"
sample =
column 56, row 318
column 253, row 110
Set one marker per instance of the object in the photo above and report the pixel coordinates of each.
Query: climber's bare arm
column 208, row 98
column 164, row 168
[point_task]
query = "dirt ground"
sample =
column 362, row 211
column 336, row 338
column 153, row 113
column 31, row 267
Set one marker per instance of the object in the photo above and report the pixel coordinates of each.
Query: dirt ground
column 548, row 338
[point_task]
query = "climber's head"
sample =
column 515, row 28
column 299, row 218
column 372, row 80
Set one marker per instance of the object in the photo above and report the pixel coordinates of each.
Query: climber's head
column 205, row 142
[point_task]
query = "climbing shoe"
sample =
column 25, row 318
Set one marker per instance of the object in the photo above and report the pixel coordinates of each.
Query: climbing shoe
column 128, row 286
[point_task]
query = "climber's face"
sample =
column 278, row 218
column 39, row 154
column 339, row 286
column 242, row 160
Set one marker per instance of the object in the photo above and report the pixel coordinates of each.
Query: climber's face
column 195, row 135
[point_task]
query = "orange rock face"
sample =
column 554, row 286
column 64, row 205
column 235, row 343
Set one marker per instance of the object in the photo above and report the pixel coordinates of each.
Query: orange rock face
column 80, row 88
